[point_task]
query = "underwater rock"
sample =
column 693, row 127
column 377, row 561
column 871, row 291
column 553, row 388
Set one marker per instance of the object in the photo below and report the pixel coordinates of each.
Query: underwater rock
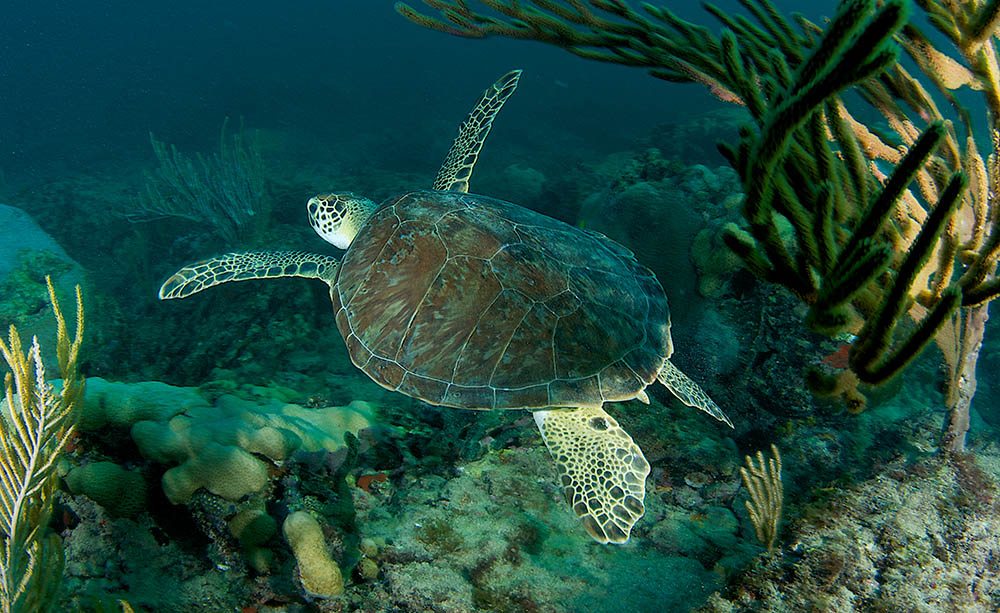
column 110, row 558
column 27, row 255
column 697, row 137
column 658, row 225
column 368, row 569
column 522, row 184
column 704, row 535
column 718, row 342
column 484, row 536
column 252, row 526
column 21, row 233
column 714, row 261
column 368, row 565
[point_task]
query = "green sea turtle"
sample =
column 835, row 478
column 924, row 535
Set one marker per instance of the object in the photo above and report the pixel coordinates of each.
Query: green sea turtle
column 471, row 302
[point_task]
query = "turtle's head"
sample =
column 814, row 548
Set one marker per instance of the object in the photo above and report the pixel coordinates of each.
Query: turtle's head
column 338, row 217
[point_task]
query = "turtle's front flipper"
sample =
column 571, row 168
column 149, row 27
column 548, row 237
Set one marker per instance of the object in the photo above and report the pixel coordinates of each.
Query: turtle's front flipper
column 688, row 392
column 602, row 472
column 245, row 266
column 457, row 168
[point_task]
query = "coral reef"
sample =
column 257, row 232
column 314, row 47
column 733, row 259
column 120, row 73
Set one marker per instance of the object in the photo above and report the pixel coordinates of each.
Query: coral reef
column 648, row 195
column 433, row 509
column 442, row 534
column 911, row 538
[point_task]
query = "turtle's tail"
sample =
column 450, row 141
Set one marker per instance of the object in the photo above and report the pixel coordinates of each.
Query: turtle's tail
column 246, row 266
column 688, row 392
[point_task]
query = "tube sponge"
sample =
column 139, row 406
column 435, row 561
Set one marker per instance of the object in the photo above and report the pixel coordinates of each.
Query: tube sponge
column 319, row 574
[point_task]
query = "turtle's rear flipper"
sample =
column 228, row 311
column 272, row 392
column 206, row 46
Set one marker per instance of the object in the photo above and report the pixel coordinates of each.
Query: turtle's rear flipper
column 602, row 472
column 202, row 275
column 688, row 392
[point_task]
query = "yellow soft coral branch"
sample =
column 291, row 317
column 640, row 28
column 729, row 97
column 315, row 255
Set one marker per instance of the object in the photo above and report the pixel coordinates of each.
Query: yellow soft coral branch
column 33, row 433
column 763, row 483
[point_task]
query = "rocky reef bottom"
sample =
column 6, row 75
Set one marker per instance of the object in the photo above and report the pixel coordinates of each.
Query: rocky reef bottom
column 921, row 536
column 922, row 533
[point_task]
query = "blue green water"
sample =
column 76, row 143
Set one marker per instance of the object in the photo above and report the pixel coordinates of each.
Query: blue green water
column 436, row 509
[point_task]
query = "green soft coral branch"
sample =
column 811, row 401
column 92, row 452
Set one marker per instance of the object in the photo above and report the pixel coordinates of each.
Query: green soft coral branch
column 833, row 66
column 866, row 241
column 871, row 357
column 881, row 207
column 673, row 49
column 984, row 24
